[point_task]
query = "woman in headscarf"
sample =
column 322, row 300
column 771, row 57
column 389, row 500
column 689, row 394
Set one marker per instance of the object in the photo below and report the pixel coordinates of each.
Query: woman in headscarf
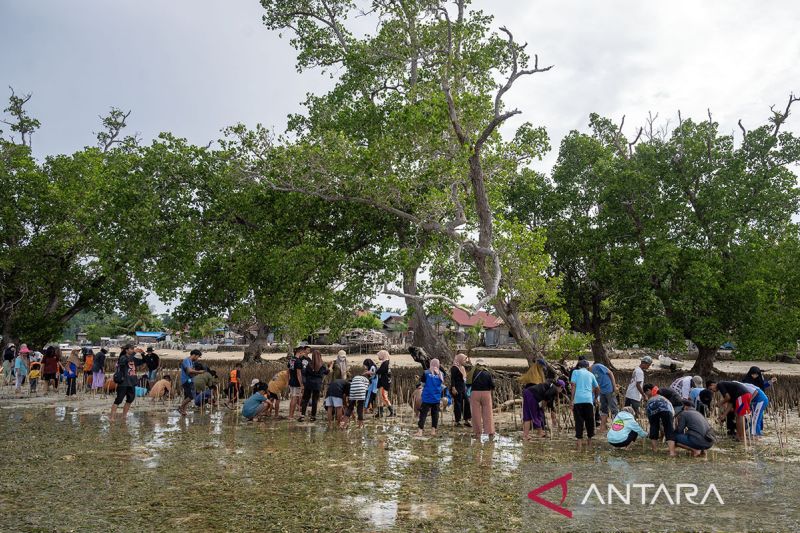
column 339, row 367
column 458, row 389
column 384, row 384
column 71, row 372
column 98, row 369
column 312, row 384
column 759, row 402
column 371, row 372
column 432, row 383
column 755, row 377
column 482, row 383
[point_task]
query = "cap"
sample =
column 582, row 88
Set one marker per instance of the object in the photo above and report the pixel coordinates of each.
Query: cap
column 24, row 349
column 647, row 359
column 254, row 382
column 561, row 383
column 149, row 349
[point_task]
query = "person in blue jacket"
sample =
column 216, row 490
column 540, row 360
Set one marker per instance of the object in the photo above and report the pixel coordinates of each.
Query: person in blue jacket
column 432, row 384
column 625, row 429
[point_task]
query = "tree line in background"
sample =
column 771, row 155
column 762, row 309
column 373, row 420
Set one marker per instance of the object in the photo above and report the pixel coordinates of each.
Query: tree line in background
column 398, row 180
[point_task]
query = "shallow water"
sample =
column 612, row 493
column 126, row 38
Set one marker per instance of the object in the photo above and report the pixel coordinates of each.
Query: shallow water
column 67, row 471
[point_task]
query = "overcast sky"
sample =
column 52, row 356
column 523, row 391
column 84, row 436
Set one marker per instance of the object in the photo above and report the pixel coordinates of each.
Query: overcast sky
column 195, row 66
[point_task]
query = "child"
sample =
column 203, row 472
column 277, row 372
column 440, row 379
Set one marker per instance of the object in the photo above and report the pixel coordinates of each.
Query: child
column 275, row 388
column 356, row 399
column 71, row 373
column 35, row 373
column 334, row 401
column 433, row 383
column 234, row 383
column 255, row 405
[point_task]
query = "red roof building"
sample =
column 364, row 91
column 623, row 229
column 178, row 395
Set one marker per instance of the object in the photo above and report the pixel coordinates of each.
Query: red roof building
column 466, row 320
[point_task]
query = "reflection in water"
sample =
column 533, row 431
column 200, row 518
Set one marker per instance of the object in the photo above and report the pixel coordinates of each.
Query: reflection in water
column 373, row 479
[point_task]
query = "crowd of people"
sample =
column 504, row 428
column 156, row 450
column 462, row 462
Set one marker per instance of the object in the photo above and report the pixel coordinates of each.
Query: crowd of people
column 677, row 415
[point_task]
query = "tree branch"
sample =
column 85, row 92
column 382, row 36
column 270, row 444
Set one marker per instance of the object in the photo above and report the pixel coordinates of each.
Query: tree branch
column 779, row 118
column 427, row 297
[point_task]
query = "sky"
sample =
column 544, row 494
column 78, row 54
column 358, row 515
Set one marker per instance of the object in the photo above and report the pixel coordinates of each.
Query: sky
column 194, row 67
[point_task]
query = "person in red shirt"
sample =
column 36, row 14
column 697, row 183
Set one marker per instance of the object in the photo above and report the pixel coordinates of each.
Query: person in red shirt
column 51, row 367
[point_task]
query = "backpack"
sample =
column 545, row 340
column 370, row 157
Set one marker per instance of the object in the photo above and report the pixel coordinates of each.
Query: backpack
column 119, row 373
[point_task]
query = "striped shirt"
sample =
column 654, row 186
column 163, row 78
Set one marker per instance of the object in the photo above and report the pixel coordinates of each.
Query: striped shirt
column 358, row 388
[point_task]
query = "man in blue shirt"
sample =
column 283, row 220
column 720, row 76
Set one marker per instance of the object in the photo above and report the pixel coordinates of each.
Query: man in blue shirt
column 608, row 394
column 188, row 371
column 584, row 389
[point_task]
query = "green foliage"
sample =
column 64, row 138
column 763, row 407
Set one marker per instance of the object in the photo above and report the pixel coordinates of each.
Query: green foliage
column 69, row 232
column 367, row 321
column 569, row 345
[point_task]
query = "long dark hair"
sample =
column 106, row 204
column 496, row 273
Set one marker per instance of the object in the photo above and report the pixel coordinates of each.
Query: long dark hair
column 316, row 360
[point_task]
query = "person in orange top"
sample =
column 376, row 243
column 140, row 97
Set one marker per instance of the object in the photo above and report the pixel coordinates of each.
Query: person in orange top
column 275, row 388
column 88, row 363
column 235, row 383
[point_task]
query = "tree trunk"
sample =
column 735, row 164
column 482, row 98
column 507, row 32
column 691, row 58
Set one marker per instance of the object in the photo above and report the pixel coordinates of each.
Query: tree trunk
column 599, row 351
column 521, row 334
column 704, row 365
column 252, row 353
column 424, row 334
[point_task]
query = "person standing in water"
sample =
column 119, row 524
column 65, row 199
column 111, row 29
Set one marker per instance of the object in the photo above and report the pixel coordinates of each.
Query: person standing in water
column 126, row 379
column 71, row 372
column 584, row 390
column 432, row 383
column 338, row 368
column 634, row 392
column 295, row 366
column 608, row 393
column 21, row 366
column 371, row 372
column 9, row 356
column 312, row 384
column 458, row 390
column 98, row 369
column 188, row 372
column 480, row 379
column 384, row 384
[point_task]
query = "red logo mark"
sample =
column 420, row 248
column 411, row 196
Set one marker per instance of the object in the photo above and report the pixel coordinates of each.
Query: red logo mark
column 562, row 481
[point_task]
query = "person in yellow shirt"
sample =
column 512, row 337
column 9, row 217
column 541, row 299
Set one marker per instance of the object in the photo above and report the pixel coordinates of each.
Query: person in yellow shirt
column 275, row 389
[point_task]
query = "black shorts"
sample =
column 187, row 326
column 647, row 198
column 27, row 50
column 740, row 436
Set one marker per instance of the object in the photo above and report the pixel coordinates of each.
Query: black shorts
column 272, row 396
column 125, row 391
column 50, row 377
column 661, row 420
column 188, row 390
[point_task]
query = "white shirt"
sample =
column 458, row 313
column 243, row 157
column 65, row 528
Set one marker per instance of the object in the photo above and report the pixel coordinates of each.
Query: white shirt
column 682, row 386
column 633, row 392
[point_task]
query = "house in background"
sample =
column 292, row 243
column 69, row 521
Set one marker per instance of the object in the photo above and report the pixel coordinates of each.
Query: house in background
column 492, row 331
column 150, row 337
column 395, row 327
